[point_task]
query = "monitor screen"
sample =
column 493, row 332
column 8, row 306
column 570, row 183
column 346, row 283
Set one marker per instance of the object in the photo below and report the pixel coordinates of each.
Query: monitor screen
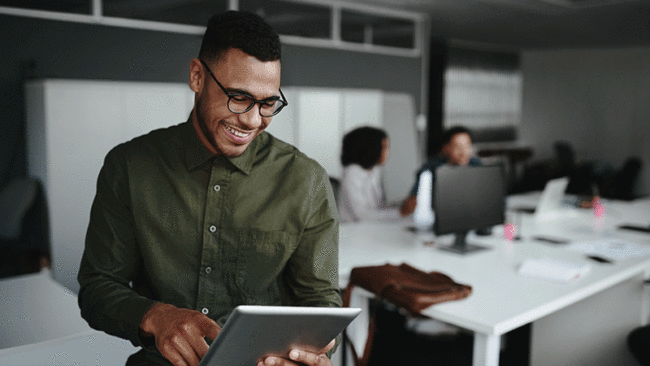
column 468, row 198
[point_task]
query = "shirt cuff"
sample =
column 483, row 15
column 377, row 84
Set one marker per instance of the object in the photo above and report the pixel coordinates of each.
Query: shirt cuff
column 134, row 318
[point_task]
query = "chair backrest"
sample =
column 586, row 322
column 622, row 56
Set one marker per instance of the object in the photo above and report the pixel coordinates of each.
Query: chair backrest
column 625, row 179
column 16, row 198
column 336, row 185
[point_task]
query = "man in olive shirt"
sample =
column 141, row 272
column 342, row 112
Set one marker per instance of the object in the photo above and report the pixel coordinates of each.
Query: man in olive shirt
column 190, row 221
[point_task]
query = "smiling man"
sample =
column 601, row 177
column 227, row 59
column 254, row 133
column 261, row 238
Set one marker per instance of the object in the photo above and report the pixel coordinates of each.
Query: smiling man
column 190, row 221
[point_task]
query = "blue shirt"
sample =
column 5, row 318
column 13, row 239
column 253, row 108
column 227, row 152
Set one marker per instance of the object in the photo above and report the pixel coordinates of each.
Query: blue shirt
column 433, row 164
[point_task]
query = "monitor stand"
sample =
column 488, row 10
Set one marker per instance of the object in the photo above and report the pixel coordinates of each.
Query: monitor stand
column 461, row 246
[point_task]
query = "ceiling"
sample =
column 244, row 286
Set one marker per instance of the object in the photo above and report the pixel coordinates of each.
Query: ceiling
column 526, row 24
column 501, row 24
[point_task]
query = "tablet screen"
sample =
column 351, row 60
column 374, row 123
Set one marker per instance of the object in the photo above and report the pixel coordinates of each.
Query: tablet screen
column 253, row 332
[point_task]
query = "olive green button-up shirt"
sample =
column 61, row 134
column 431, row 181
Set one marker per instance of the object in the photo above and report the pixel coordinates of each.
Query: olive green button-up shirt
column 173, row 223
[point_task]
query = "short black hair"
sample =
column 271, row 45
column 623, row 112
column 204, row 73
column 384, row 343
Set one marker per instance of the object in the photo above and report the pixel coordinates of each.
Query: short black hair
column 362, row 146
column 453, row 131
column 242, row 30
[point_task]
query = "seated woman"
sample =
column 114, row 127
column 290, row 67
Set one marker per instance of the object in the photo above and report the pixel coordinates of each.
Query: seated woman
column 361, row 197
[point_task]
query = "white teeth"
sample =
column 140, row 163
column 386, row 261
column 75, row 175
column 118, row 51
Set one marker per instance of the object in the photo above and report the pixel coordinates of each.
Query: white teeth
column 235, row 132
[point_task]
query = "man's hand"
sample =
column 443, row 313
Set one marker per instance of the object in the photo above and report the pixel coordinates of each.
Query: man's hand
column 299, row 357
column 408, row 206
column 179, row 333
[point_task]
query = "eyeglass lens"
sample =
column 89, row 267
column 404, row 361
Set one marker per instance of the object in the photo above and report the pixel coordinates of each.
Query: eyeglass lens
column 243, row 103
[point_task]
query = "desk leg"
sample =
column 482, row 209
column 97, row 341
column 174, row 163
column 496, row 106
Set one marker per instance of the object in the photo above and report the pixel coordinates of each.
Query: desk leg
column 486, row 350
column 358, row 329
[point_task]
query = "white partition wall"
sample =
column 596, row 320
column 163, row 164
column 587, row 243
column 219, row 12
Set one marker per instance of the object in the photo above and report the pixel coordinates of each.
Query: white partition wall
column 361, row 108
column 72, row 124
column 319, row 131
column 398, row 113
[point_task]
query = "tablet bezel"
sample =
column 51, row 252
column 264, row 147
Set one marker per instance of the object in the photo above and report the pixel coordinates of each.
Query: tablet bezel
column 253, row 332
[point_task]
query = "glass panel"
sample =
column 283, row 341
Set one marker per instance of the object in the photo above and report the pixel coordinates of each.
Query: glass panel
column 65, row 6
column 394, row 32
column 483, row 93
column 384, row 31
column 169, row 11
column 354, row 26
column 290, row 18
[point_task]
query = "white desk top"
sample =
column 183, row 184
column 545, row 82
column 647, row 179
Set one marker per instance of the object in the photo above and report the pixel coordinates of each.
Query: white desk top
column 502, row 299
column 35, row 308
column 85, row 348
column 40, row 324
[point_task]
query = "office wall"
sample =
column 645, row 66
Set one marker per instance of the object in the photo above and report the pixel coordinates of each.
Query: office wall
column 597, row 99
column 36, row 48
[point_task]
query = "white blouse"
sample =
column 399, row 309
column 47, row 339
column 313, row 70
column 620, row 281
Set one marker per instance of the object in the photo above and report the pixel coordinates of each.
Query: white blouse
column 361, row 196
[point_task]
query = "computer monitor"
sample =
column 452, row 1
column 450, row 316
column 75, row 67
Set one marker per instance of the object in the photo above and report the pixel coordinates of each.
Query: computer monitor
column 468, row 198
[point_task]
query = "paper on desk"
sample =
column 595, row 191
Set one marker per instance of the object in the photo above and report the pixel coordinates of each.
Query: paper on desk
column 616, row 250
column 553, row 270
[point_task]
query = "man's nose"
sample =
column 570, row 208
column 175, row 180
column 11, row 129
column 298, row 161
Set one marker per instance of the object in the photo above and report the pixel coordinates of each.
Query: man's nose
column 252, row 119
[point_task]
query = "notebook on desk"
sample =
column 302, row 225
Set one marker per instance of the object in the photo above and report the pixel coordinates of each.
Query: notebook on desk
column 551, row 199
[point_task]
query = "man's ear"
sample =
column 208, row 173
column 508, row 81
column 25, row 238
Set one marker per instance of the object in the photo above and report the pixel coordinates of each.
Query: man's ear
column 197, row 75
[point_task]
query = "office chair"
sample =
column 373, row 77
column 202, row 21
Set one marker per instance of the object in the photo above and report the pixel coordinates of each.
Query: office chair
column 24, row 227
column 336, row 185
column 621, row 184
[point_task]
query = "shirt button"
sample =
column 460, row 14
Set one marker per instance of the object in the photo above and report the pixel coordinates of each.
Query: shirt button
column 208, row 270
column 213, row 228
column 217, row 188
column 205, row 311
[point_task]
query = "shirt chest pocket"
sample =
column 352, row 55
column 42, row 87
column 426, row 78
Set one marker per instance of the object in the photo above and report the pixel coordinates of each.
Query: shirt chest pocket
column 261, row 258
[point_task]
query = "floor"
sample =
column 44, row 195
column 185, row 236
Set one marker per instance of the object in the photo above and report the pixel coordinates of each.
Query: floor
column 395, row 345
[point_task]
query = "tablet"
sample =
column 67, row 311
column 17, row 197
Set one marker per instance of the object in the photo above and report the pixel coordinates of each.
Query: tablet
column 253, row 332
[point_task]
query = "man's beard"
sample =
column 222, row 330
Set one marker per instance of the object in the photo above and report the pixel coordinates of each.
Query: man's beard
column 204, row 127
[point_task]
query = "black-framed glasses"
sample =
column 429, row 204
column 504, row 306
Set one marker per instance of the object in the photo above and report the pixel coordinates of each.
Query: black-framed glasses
column 242, row 102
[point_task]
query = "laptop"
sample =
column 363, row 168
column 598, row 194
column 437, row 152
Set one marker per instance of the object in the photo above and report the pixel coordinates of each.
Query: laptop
column 550, row 202
column 253, row 332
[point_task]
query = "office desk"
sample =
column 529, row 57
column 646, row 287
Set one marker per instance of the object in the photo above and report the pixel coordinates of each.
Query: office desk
column 503, row 300
column 40, row 324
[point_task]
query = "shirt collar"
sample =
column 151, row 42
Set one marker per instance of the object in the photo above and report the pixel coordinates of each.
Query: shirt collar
column 244, row 162
column 196, row 154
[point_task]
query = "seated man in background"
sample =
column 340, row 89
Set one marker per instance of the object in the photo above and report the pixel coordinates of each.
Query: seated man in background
column 361, row 196
column 456, row 150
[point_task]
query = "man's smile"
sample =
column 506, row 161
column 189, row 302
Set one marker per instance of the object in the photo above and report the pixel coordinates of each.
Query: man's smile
column 238, row 135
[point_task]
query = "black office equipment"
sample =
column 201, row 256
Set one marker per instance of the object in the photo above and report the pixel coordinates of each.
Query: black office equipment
column 638, row 228
column 546, row 239
column 465, row 199
column 599, row 259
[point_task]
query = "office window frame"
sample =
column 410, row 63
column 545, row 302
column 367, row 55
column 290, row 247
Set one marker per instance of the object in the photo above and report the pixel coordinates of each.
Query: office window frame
column 336, row 9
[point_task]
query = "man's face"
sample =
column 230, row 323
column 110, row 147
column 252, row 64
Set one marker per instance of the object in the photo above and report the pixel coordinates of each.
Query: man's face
column 459, row 149
column 222, row 131
column 385, row 151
